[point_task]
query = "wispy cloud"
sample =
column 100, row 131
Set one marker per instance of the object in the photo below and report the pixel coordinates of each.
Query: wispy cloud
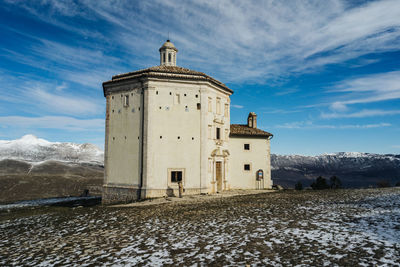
column 367, row 89
column 310, row 125
column 237, row 106
column 360, row 114
column 53, row 122
column 44, row 97
column 252, row 41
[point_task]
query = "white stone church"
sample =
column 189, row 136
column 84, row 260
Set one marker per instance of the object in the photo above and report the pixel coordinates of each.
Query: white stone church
column 167, row 124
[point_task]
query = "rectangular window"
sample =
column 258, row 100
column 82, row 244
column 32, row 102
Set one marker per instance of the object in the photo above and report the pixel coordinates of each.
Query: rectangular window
column 246, row 146
column 226, row 112
column 218, row 105
column 209, row 104
column 247, row 167
column 177, row 99
column 169, row 57
column 218, row 133
column 126, row 101
column 176, row 176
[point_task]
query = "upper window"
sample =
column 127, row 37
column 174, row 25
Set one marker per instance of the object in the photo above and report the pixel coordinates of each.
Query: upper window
column 177, row 98
column 169, row 57
column 226, row 112
column 126, row 101
column 218, row 105
column 218, row 133
column 247, row 167
column 246, row 146
column 163, row 56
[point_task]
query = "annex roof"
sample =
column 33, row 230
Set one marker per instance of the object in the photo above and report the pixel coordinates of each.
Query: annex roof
column 244, row 130
column 168, row 72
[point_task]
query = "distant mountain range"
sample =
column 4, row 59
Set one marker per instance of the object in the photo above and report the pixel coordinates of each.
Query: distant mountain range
column 32, row 149
column 31, row 168
column 352, row 168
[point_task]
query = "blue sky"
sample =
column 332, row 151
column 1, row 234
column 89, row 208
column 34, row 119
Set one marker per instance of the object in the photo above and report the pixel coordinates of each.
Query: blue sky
column 323, row 76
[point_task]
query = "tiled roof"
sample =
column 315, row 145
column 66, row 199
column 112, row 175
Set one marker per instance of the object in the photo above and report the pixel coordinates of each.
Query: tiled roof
column 168, row 72
column 244, row 130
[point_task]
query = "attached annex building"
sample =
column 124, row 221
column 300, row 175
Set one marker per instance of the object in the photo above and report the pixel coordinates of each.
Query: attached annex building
column 167, row 124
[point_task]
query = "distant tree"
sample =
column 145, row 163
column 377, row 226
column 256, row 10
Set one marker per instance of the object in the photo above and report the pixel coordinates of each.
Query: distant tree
column 298, row 186
column 335, row 182
column 382, row 184
column 319, row 184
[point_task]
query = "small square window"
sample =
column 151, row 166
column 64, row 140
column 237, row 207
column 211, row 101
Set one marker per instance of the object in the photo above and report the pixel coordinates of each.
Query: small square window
column 198, row 106
column 247, row 167
column 246, row 146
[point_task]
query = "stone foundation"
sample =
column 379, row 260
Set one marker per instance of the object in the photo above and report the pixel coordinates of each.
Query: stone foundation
column 170, row 192
column 117, row 195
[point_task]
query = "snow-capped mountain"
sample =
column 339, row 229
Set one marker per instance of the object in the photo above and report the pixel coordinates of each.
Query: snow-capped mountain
column 32, row 149
column 353, row 168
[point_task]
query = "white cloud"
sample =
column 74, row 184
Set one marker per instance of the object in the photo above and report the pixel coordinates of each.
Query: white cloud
column 310, row 125
column 53, row 122
column 45, row 97
column 338, row 106
column 366, row 89
column 245, row 41
column 237, row 106
column 64, row 104
column 360, row 114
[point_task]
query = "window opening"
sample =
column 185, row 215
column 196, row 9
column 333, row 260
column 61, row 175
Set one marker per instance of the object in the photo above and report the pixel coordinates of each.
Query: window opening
column 246, row 146
column 169, row 57
column 177, row 99
column 126, row 101
column 247, row 167
column 198, row 106
column 176, row 176
column 218, row 133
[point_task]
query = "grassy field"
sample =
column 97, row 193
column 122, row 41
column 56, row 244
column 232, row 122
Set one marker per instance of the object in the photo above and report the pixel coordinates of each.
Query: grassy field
column 319, row 228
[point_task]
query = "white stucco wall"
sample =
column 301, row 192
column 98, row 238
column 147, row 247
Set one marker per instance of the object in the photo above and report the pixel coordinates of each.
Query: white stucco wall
column 258, row 157
column 122, row 162
column 173, row 135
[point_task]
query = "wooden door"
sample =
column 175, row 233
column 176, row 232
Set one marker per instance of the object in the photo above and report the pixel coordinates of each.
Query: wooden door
column 218, row 173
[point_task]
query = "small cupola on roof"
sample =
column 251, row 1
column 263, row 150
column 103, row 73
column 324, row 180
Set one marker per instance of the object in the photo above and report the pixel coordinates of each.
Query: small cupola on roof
column 168, row 54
